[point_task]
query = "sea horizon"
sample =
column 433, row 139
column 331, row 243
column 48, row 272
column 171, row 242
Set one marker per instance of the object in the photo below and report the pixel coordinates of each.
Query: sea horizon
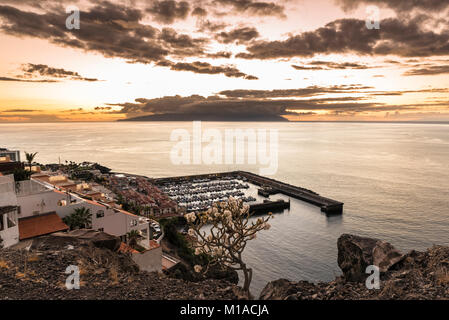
column 224, row 150
column 366, row 166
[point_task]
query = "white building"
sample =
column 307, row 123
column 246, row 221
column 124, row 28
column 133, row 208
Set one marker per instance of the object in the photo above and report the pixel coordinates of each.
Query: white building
column 12, row 155
column 9, row 230
column 35, row 197
column 32, row 208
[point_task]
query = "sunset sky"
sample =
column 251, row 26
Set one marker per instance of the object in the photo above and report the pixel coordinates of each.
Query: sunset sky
column 307, row 60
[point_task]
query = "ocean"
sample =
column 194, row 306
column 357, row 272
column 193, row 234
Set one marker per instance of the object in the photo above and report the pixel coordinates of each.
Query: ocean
column 392, row 177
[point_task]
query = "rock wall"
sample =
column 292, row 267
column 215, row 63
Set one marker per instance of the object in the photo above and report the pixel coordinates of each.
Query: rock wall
column 415, row 275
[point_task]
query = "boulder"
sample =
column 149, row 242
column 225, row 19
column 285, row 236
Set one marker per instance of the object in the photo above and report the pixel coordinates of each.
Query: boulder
column 356, row 253
column 277, row 290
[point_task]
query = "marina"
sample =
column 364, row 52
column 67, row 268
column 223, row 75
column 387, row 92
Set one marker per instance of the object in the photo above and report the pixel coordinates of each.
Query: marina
column 199, row 192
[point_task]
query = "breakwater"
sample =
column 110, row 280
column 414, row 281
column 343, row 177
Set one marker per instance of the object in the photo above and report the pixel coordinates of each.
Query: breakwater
column 327, row 205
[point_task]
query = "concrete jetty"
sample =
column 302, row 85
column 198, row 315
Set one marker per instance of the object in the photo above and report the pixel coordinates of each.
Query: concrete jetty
column 269, row 206
column 327, row 205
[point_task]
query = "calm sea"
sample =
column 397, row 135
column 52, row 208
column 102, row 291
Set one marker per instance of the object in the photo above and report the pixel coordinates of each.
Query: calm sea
column 393, row 179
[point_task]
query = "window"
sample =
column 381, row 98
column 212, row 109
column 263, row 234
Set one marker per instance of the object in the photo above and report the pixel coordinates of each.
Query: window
column 19, row 210
column 62, row 203
column 101, row 229
column 133, row 223
column 100, row 214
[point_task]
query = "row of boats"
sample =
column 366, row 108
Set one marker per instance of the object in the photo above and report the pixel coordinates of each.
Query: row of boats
column 201, row 195
column 206, row 204
column 192, row 189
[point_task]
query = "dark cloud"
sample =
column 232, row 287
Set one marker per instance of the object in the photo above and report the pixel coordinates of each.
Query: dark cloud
column 110, row 29
column 106, row 11
column 428, row 71
column 41, row 4
column 30, row 118
column 33, row 70
column 253, row 7
column 199, row 105
column 115, row 31
column 168, row 11
column 239, row 35
column 328, row 65
column 220, row 54
column 75, row 110
column 283, row 93
column 307, row 68
column 103, row 108
column 206, row 68
column 199, row 12
column 400, row 5
column 182, row 45
column 395, row 37
column 20, row 111
column 209, row 26
column 7, row 79
column 400, row 93
column 256, row 102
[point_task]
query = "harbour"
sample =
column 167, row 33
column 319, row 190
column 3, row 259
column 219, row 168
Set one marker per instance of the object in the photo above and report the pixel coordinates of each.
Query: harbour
column 199, row 190
column 348, row 170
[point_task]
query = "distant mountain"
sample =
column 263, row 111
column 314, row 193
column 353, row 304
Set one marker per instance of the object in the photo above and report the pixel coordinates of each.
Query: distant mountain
column 209, row 117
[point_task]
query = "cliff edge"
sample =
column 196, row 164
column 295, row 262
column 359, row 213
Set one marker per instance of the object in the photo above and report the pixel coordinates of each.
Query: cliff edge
column 415, row 275
column 38, row 272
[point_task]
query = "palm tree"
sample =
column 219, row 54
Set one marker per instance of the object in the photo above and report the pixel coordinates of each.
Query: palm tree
column 81, row 218
column 85, row 217
column 70, row 221
column 133, row 235
column 30, row 158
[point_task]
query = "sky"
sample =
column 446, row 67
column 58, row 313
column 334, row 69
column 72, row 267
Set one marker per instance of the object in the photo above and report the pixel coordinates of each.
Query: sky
column 303, row 60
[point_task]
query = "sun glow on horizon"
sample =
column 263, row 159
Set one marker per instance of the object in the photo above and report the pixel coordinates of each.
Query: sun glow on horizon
column 72, row 84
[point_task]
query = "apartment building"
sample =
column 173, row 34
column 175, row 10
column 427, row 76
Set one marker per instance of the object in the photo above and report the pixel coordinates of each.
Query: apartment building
column 8, row 166
column 14, row 156
column 9, row 229
column 41, row 195
column 36, row 207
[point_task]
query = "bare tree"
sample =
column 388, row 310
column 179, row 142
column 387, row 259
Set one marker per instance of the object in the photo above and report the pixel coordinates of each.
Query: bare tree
column 230, row 230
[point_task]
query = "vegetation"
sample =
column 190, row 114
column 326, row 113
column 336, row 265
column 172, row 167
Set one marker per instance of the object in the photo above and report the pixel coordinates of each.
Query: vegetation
column 30, row 158
column 184, row 249
column 21, row 174
column 129, row 206
column 81, row 218
column 133, row 236
column 82, row 171
column 101, row 168
column 230, row 230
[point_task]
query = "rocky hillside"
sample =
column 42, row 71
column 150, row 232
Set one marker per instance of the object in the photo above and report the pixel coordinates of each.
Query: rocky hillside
column 39, row 273
column 415, row 275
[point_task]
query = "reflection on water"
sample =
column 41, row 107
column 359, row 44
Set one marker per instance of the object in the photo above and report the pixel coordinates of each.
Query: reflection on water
column 393, row 179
